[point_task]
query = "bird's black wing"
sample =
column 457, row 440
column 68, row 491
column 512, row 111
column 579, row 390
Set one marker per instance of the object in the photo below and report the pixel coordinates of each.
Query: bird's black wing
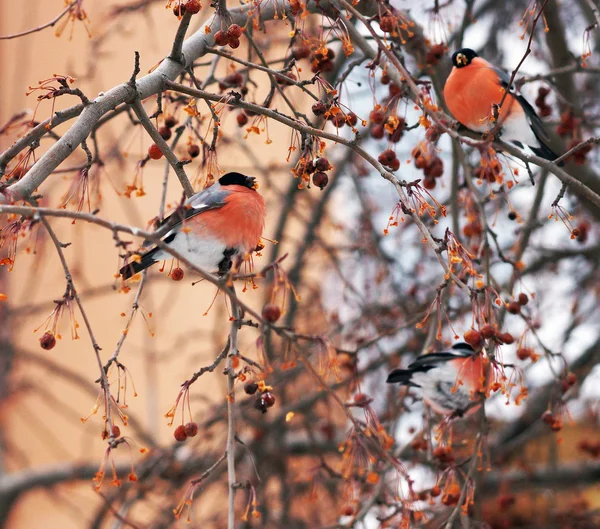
column 534, row 120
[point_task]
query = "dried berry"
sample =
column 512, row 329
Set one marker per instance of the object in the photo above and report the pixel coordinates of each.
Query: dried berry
column 165, row 132
column 193, row 6
column 523, row 298
column 234, row 43
column 352, row 119
column 271, row 313
column 180, row 433
column 116, row 431
column 221, row 38
column 251, row 388
column 193, row 150
column 322, row 164
column 242, row 119
column 170, row 121
column 376, row 131
column 234, row 31
column 260, row 404
column 506, row 338
column 47, row 341
column 320, row 180
column 300, row 51
column 154, row 152
column 319, row 108
column 513, row 307
column 191, row 429
column 376, row 116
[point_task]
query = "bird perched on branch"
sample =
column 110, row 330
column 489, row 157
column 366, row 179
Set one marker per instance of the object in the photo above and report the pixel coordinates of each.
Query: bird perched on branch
column 473, row 91
column 450, row 380
column 223, row 222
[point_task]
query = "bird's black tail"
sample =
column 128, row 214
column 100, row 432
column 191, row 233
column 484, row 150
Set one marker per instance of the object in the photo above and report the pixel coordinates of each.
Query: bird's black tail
column 148, row 259
column 543, row 151
column 402, row 376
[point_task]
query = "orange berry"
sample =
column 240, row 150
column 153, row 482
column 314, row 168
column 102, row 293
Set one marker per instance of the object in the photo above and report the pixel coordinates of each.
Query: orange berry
column 473, row 338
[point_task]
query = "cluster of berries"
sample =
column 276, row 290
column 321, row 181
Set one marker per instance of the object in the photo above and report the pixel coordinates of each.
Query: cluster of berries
column 264, row 400
column 191, row 6
column 229, row 36
column 183, row 431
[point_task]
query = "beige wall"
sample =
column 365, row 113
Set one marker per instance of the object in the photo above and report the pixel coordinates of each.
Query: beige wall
column 44, row 428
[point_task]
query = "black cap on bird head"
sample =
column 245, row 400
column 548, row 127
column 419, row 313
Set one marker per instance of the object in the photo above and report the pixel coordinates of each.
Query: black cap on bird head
column 463, row 57
column 238, row 179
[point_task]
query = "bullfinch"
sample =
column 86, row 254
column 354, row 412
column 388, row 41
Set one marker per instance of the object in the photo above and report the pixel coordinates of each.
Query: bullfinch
column 449, row 380
column 473, row 88
column 215, row 226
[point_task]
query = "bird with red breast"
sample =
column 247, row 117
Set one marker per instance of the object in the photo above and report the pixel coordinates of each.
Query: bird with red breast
column 215, row 227
column 450, row 381
column 473, row 91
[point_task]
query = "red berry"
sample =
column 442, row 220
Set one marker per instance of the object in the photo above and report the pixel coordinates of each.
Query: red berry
column 271, row 313
column 523, row 353
column 269, row 399
column 251, row 388
column 507, row 338
column 385, row 78
column 487, row 330
column 473, row 338
column 233, row 79
column 420, row 162
column 154, row 152
column 386, row 23
column 177, row 274
column 191, row 429
column 376, row 116
column 322, row 164
column 193, row 150
column 428, row 182
column 361, row 399
column 386, row 157
column 234, row 43
column 300, row 51
column 513, row 307
column 376, row 132
column 394, row 165
column 319, row 108
column 221, row 38
column 165, row 132
column 170, row 121
column 116, row 431
column 320, row 179
column 193, row 6
column 260, row 404
column 47, row 341
column 352, row 119
column 348, row 510
column 180, row 433
column 242, row 119
column 234, row 31
column 523, row 299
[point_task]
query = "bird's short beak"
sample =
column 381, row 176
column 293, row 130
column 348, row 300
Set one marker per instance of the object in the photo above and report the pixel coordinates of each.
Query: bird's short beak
column 461, row 59
column 253, row 182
